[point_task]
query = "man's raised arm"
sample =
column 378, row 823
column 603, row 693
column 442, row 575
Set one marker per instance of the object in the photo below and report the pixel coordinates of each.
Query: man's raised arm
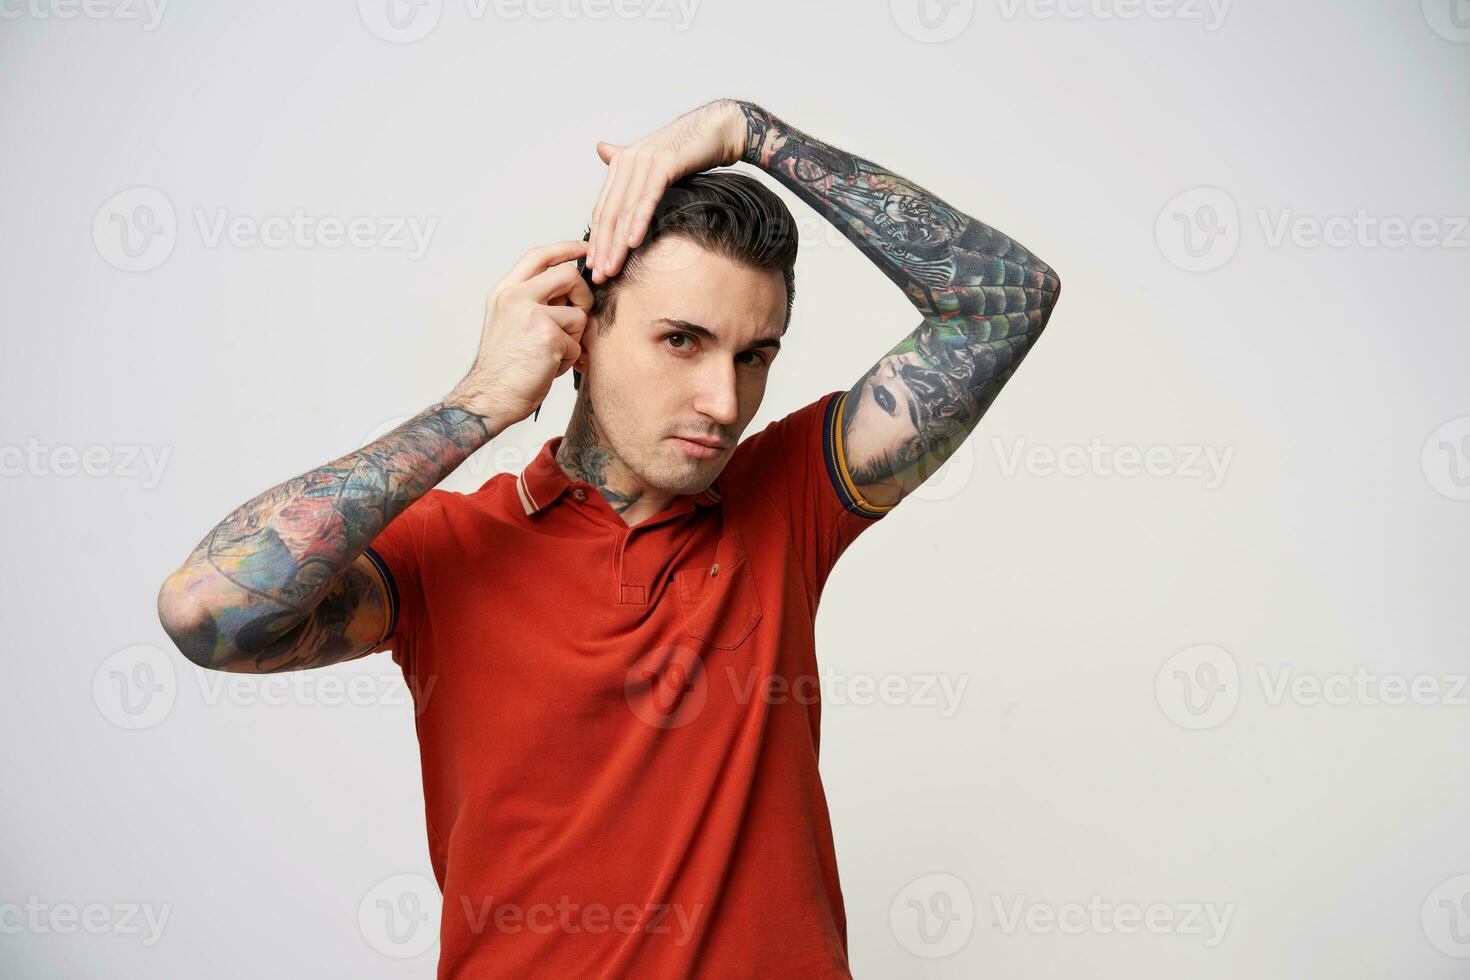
column 282, row 583
column 983, row 299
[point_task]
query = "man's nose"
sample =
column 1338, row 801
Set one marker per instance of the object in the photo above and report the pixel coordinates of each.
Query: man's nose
column 718, row 396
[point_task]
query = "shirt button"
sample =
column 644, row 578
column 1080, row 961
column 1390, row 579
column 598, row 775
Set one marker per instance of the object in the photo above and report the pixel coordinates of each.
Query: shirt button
column 579, row 493
column 714, row 569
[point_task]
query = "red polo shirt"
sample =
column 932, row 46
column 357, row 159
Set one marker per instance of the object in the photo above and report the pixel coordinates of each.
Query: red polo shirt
column 619, row 725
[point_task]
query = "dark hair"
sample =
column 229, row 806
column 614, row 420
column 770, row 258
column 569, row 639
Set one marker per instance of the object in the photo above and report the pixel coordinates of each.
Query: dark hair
column 724, row 211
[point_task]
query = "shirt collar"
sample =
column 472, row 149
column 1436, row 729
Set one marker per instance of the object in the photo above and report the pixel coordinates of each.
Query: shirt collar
column 542, row 482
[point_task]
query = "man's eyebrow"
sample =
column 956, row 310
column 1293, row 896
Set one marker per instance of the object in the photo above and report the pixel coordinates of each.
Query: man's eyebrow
column 708, row 334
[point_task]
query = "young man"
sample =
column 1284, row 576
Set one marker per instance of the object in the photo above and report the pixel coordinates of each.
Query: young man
column 612, row 650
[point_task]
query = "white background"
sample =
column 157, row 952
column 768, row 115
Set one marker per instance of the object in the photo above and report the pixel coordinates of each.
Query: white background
column 1073, row 770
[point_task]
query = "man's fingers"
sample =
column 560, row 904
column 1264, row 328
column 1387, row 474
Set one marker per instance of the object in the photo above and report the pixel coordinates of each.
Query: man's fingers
column 570, row 319
column 571, row 350
column 559, row 280
column 597, row 210
column 633, row 192
column 542, row 257
column 607, row 246
column 641, row 210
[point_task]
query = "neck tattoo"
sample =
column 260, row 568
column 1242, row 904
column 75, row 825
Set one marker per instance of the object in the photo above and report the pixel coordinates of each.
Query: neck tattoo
column 583, row 456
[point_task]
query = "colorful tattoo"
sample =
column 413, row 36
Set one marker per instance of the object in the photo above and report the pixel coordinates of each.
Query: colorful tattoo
column 275, row 586
column 984, row 300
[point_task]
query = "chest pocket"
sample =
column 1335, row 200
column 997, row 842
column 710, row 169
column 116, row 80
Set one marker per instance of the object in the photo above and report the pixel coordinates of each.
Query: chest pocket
column 719, row 602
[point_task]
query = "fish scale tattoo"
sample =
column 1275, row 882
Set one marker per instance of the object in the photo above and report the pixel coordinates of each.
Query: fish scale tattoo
column 983, row 299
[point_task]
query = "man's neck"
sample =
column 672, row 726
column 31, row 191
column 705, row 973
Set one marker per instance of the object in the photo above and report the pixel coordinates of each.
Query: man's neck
column 583, row 455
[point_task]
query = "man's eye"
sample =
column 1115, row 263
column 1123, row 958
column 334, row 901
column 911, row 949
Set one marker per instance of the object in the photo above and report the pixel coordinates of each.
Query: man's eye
column 756, row 358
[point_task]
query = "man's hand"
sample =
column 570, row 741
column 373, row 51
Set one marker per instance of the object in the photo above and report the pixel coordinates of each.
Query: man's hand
column 638, row 174
column 533, row 332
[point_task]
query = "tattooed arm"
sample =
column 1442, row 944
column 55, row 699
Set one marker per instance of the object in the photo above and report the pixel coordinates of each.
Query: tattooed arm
column 282, row 583
column 983, row 300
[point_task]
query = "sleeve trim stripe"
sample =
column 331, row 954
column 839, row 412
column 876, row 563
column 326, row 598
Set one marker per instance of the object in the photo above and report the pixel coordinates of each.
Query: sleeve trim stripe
column 392, row 590
column 852, row 499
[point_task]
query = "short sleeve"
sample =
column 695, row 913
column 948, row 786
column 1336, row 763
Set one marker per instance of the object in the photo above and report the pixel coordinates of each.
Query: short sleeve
column 397, row 553
column 797, row 463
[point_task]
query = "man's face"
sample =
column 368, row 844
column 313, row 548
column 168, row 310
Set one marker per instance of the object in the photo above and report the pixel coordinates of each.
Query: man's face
column 883, row 418
column 657, row 375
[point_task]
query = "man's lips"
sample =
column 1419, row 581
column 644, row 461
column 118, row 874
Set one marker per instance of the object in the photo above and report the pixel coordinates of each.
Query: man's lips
column 705, row 441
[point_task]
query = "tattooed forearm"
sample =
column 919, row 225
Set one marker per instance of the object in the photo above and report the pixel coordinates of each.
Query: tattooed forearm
column 982, row 296
column 272, row 587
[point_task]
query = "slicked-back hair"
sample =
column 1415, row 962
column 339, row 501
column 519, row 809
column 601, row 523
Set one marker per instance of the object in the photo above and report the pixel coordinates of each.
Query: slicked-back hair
column 723, row 211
